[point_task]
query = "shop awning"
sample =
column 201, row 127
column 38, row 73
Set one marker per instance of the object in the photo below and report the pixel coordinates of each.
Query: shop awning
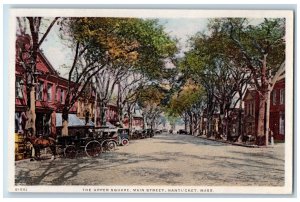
column 109, row 125
column 73, row 120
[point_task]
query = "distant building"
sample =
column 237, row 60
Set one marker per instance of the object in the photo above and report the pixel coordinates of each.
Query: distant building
column 251, row 103
column 86, row 105
column 137, row 121
column 112, row 114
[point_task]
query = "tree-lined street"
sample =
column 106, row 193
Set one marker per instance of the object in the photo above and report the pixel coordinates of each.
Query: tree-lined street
column 129, row 79
column 165, row 159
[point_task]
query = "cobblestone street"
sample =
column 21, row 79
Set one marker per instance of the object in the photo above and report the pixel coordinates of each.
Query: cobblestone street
column 165, row 159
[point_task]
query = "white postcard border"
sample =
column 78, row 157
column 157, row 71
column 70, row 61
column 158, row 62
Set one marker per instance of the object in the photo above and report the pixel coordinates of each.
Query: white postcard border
column 158, row 13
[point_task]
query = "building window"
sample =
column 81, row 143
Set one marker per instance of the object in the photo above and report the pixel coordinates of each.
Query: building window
column 19, row 87
column 248, row 109
column 274, row 97
column 282, row 94
column 49, row 92
column 62, row 96
column 57, row 95
column 281, row 123
column 39, row 91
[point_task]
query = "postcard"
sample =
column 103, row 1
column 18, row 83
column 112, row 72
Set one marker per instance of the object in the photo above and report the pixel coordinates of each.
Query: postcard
column 151, row 101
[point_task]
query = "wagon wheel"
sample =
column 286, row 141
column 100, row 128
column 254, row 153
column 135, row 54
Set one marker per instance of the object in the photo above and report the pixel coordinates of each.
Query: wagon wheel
column 70, row 152
column 93, row 148
column 60, row 151
column 111, row 145
column 125, row 142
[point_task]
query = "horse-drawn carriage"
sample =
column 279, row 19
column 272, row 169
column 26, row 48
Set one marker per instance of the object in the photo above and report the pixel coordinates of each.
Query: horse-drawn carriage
column 71, row 146
column 89, row 142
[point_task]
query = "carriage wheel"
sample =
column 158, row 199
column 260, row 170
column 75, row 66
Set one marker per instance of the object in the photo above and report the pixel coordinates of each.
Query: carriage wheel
column 125, row 142
column 70, row 152
column 93, row 148
column 111, row 145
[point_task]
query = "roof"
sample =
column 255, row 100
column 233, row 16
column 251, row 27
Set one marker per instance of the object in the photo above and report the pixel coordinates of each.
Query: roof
column 250, row 93
column 137, row 116
column 49, row 65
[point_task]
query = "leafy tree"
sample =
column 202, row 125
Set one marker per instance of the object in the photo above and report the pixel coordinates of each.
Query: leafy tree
column 187, row 101
column 108, row 48
column 263, row 50
column 149, row 99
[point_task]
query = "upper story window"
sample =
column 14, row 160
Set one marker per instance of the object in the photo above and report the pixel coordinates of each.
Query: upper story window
column 274, row 97
column 282, row 95
column 57, row 95
column 62, row 96
column 250, row 108
column 281, row 123
column 39, row 90
column 19, row 87
column 49, row 92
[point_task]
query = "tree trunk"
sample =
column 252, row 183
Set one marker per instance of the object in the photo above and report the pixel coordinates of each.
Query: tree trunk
column 227, row 132
column 185, row 121
column 34, row 29
column 262, row 104
column 261, row 120
column 32, row 109
column 129, row 120
column 191, row 124
column 267, row 118
column 103, row 113
column 201, row 125
column 144, row 121
column 240, row 118
column 95, row 110
column 196, row 125
column 65, row 114
column 208, row 125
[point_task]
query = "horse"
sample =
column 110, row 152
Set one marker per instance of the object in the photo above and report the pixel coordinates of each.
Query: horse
column 39, row 143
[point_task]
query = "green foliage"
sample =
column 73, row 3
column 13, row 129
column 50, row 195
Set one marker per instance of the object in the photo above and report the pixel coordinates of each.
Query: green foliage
column 254, row 41
column 150, row 96
column 138, row 43
column 189, row 95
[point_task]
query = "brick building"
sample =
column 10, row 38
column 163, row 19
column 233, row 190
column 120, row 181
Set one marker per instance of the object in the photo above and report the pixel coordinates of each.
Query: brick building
column 277, row 111
column 50, row 91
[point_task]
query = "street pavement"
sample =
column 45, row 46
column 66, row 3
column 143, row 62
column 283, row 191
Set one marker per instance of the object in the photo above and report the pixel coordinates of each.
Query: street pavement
column 165, row 159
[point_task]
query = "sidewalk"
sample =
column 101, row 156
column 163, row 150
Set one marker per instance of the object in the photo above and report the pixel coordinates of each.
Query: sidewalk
column 233, row 143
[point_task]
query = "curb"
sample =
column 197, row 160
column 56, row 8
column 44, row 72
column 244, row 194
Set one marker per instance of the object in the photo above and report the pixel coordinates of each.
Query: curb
column 232, row 143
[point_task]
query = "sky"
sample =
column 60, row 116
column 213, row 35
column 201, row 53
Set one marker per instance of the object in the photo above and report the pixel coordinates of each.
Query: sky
column 60, row 54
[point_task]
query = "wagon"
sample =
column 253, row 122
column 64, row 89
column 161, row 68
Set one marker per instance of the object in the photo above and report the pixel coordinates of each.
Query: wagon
column 107, row 137
column 71, row 146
